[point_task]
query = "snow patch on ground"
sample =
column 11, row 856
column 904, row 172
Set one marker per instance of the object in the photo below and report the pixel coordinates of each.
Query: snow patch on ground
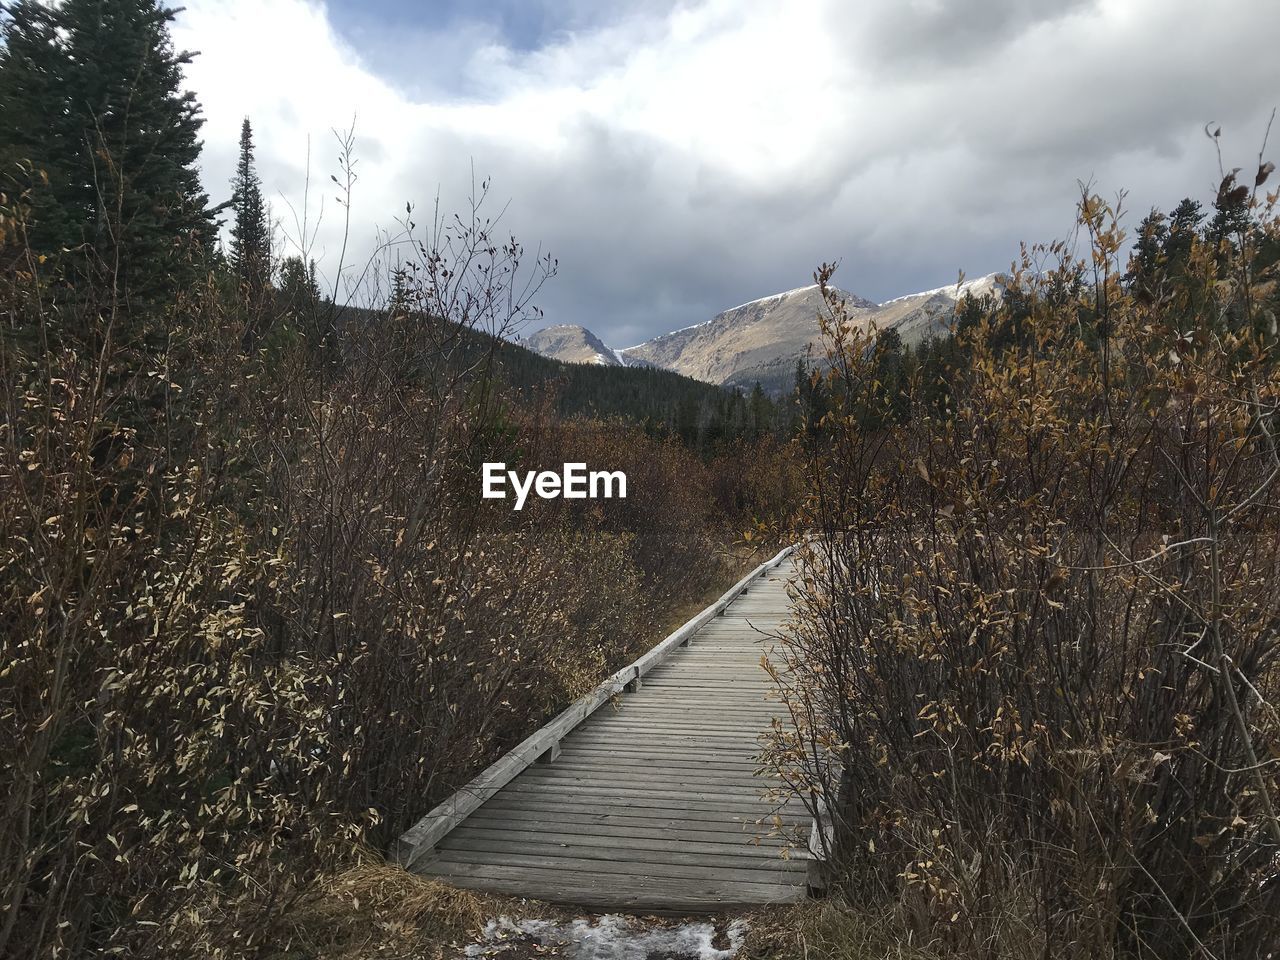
column 611, row 938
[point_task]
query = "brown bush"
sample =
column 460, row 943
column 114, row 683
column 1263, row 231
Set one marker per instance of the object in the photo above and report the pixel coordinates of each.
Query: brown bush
column 255, row 612
column 1034, row 660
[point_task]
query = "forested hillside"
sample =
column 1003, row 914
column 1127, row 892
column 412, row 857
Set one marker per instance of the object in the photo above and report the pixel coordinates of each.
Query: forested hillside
column 706, row 418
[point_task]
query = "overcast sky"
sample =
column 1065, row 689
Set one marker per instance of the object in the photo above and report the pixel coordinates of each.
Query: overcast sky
column 679, row 158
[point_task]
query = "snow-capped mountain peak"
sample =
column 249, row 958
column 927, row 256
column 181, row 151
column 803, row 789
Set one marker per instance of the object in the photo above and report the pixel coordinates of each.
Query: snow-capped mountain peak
column 761, row 340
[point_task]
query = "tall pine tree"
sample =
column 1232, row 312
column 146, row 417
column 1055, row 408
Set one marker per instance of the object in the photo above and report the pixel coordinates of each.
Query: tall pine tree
column 36, row 146
column 117, row 136
column 250, row 232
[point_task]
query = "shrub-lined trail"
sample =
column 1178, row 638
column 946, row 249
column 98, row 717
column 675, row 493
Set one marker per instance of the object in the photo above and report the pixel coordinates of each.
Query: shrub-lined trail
column 654, row 802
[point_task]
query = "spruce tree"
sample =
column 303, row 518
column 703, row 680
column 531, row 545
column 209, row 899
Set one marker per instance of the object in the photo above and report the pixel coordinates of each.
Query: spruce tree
column 36, row 146
column 304, row 308
column 758, row 412
column 250, row 233
column 1147, row 262
column 299, row 288
column 117, row 136
column 1231, row 215
column 401, row 294
column 1183, row 224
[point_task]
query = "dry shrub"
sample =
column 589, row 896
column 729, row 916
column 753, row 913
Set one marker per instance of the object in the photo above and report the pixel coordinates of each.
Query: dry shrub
column 829, row 929
column 1034, row 663
column 675, row 528
column 761, row 484
column 255, row 611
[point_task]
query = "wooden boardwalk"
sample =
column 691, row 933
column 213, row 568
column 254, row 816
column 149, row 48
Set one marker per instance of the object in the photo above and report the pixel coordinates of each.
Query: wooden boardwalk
column 652, row 802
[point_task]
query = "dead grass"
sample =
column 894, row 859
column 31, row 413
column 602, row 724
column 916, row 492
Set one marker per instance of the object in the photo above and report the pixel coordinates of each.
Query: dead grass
column 826, row 930
column 739, row 560
column 378, row 909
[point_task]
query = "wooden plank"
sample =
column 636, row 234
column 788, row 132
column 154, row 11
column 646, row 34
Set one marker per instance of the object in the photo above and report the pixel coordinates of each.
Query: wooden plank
column 615, row 743
column 598, row 745
column 743, row 710
column 665, row 767
column 618, row 848
column 618, row 773
column 604, row 865
column 748, row 809
column 665, row 723
column 719, row 788
column 742, row 718
column 748, row 818
column 684, row 736
column 746, row 718
column 589, row 825
column 639, row 894
column 695, row 792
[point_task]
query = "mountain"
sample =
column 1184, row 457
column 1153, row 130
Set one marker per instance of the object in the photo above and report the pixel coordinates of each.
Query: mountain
column 930, row 312
column 756, row 341
column 572, row 344
column 760, row 341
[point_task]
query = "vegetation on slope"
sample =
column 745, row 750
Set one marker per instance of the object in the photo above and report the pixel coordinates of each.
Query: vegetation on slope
column 254, row 614
column 1036, row 660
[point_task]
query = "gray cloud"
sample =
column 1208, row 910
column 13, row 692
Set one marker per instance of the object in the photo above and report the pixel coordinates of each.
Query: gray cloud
column 683, row 159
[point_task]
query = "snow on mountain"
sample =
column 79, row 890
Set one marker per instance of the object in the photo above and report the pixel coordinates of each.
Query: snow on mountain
column 991, row 283
column 773, row 296
column 761, row 340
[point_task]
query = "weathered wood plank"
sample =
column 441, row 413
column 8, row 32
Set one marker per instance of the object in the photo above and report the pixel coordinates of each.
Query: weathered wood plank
column 616, row 848
column 748, row 817
column 640, row 894
column 641, row 828
column 775, row 872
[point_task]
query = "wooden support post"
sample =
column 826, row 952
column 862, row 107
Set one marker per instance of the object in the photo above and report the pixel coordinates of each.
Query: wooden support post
column 551, row 755
column 816, row 878
column 821, row 837
column 634, row 684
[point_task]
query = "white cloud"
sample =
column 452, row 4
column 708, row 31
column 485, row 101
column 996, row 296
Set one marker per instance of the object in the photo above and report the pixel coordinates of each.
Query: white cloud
column 699, row 155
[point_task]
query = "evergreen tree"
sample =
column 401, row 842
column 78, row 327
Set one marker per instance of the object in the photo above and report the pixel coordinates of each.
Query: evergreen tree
column 301, row 302
column 250, row 232
column 35, row 142
column 1147, row 262
column 811, row 400
column 1184, row 222
column 760, row 416
column 299, row 288
column 117, row 136
column 1231, row 217
column 891, row 396
column 401, row 294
